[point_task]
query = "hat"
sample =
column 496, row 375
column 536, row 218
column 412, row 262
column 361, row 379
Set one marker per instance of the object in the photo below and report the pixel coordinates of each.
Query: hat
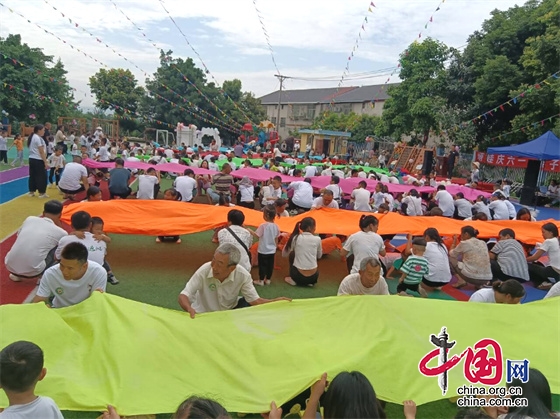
column 99, row 128
column 477, row 164
column 498, row 194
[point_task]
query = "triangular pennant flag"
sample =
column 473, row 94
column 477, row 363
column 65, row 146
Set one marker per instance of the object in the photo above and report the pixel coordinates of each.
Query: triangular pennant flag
column 437, row 9
column 426, row 26
column 502, row 108
column 369, row 10
column 365, row 18
column 371, row 4
column 431, row 18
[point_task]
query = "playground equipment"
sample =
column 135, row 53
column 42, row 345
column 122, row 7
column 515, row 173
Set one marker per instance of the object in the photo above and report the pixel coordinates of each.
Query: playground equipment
column 409, row 158
column 73, row 124
column 189, row 135
column 110, row 127
column 162, row 137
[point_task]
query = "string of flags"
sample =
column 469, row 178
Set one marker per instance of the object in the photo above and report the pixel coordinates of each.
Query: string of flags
column 526, row 127
column 235, row 124
column 398, row 67
column 39, row 95
column 206, row 69
column 107, row 67
column 261, row 20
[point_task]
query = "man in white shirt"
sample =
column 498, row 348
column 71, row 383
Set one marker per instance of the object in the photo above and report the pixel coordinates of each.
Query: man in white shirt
column 186, row 185
column 464, row 206
column 103, row 152
column 368, row 281
column 445, row 201
column 272, row 192
column 498, row 207
column 303, row 194
column 73, row 280
column 34, row 248
column 310, row 171
column 326, row 200
column 216, row 285
column 244, row 239
column 148, row 184
column 74, row 178
column 361, row 197
column 81, row 223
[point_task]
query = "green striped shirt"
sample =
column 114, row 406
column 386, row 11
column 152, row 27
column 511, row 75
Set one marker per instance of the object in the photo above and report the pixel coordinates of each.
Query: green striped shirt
column 415, row 268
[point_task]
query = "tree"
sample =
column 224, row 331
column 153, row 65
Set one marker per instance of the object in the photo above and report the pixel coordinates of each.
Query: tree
column 361, row 126
column 117, row 89
column 413, row 104
column 34, row 87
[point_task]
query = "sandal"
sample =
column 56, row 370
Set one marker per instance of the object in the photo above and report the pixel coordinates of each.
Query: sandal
column 459, row 285
column 545, row 286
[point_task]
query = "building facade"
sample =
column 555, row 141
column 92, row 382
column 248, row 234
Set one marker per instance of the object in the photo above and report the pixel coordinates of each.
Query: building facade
column 299, row 108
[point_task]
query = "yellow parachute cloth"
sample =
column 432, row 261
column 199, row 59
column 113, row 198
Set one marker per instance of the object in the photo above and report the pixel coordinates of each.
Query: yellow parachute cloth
column 145, row 359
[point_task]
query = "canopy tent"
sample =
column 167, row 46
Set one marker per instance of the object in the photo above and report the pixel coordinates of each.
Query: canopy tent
column 546, row 147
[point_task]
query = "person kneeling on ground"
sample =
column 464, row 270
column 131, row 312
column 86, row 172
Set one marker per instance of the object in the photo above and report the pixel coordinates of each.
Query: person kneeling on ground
column 216, row 285
column 73, row 280
column 303, row 249
column 414, row 269
column 118, row 180
column 368, row 280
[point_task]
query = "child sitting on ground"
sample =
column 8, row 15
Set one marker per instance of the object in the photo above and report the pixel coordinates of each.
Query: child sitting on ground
column 414, row 269
column 267, row 233
column 170, row 194
column 97, row 230
column 22, row 367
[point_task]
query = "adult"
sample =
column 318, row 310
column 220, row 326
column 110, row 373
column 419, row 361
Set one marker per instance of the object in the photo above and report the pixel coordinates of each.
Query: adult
column 60, row 139
column 507, row 258
column 103, row 154
column 81, row 223
column 326, row 200
column 302, row 200
column 524, row 214
column 272, row 191
column 237, row 235
column 310, row 171
column 335, row 188
column 475, row 172
column 363, row 244
column 73, row 280
column 186, row 185
column 480, row 206
column 33, row 250
column 361, row 197
column 246, row 193
column 451, row 160
column 474, row 267
column 303, row 249
column 280, row 205
column 554, row 291
column 148, row 184
column 437, row 255
column 98, row 133
column 222, row 183
column 367, row 281
column 216, row 285
column 277, row 154
column 463, row 207
column 238, row 150
column 47, row 132
column 74, row 178
column 538, row 273
column 507, row 292
column 38, row 164
column 119, row 180
column 445, row 201
column 411, row 204
column 498, row 207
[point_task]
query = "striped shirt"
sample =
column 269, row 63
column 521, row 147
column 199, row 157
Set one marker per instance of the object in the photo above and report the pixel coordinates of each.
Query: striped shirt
column 222, row 183
column 415, row 268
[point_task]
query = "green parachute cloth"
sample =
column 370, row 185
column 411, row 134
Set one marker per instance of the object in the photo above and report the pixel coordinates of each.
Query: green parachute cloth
column 146, row 359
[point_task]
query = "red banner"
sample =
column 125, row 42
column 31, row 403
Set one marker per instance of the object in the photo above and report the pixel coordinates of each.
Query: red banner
column 510, row 161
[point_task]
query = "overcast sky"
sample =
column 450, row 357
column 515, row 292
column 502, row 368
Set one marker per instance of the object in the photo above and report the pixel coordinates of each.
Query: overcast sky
column 310, row 38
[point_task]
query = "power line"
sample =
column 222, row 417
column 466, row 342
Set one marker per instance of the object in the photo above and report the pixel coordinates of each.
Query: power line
column 261, row 20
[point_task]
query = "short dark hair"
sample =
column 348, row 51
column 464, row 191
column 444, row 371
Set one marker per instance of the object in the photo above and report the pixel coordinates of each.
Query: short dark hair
column 97, row 221
column 21, row 364
column 81, row 220
column 188, row 172
column 363, row 184
column 280, row 202
column 277, row 178
column 269, row 212
column 93, row 190
column 335, row 179
column 119, row 161
column 236, row 217
column 75, row 251
column 419, row 241
column 151, row 169
column 507, row 232
column 198, row 407
column 441, row 188
column 53, row 207
column 351, row 395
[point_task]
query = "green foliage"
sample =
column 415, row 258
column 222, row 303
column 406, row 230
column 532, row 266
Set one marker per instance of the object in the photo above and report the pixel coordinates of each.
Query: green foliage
column 360, row 126
column 50, row 84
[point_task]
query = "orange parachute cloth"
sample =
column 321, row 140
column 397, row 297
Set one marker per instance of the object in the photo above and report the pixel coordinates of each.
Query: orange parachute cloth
column 159, row 217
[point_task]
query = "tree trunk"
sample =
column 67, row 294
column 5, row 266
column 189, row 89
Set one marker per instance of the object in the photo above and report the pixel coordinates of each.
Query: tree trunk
column 425, row 139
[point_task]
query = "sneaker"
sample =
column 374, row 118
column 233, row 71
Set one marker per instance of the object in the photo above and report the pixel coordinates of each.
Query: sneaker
column 290, row 281
column 112, row 280
column 259, row 283
column 15, row 278
column 178, row 241
column 158, row 240
column 267, row 282
column 31, row 193
column 43, row 195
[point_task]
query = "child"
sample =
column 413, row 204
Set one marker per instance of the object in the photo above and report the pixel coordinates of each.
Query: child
column 18, row 143
column 148, row 184
column 3, row 147
column 267, row 233
column 93, row 194
column 170, row 195
column 50, row 145
column 97, row 230
column 75, row 150
column 414, row 269
column 22, row 367
column 506, row 187
column 56, row 162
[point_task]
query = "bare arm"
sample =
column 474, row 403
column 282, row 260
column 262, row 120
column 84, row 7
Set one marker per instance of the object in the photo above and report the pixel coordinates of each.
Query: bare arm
column 85, row 183
column 260, row 301
column 38, row 299
column 43, row 156
column 536, row 256
column 185, row 304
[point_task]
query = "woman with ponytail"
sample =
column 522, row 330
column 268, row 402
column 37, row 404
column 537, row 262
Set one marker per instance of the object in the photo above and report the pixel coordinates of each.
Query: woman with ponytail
column 38, row 164
column 538, row 273
column 438, row 261
column 507, row 292
column 474, row 267
column 363, row 244
column 303, row 249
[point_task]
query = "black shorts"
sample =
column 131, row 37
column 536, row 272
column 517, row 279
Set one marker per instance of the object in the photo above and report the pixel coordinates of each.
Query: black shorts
column 433, row 284
column 302, row 280
column 69, row 192
column 402, row 287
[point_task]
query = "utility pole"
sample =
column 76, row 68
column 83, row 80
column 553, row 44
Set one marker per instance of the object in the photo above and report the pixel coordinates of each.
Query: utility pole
column 281, row 78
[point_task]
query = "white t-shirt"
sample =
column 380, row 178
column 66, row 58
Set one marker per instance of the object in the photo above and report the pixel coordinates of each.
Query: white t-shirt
column 438, row 263
column 103, row 153
column 361, row 199
column 464, row 208
column 394, row 179
column 206, row 293
column 36, row 142
column 96, row 249
column 362, row 175
column 310, row 171
column 307, row 249
column 484, row 295
column 185, row 185
column 500, row 209
column 378, row 199
column 72, row 175
column 554, row 291
column 336, row 190
column 42, row 407
column 483, row 208
column 146, row 185
column 247, row 193
column 277, row 152
column 270, row 194
column 352, row 285
column 67, row 293
column 445, row 203
column 363, row 245
column 267, row 232
column 36, row 238
column 318, row 203
column 511, row 209
column 414, row 207
column 55, row 161
column 303, row 194
column 552, row 248
column 224, row 236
